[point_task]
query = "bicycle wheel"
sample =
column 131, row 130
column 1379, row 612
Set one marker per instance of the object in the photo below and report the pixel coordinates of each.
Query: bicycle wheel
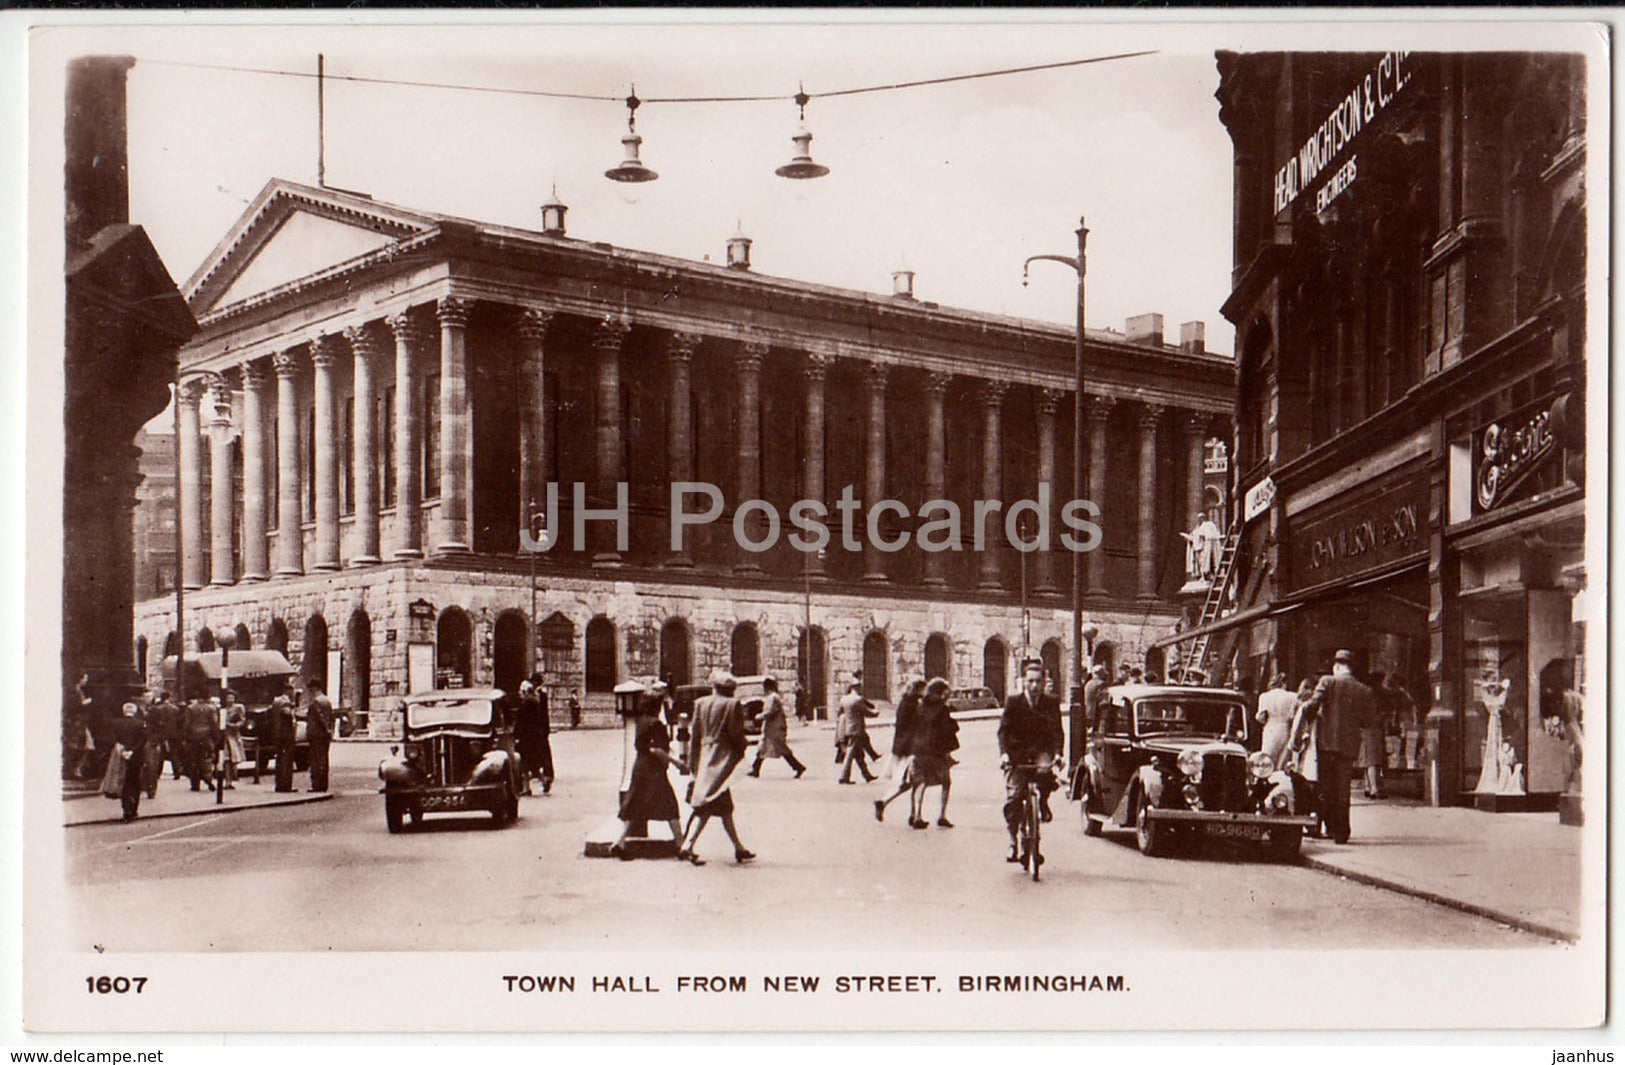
column 1035, row 819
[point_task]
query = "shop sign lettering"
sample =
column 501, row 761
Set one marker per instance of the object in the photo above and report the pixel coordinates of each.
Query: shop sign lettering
column 1392, row 528
column 1351, row 114
column 1506, row 452
column 1258, row 499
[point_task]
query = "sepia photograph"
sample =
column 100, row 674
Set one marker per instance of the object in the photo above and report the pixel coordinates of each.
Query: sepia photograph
column 814, row 521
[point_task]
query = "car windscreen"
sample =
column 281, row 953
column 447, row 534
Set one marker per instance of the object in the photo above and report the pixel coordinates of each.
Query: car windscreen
column 1186, row 716
column 448, row 712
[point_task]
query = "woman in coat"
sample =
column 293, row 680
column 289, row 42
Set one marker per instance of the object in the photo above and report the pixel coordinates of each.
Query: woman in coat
column 1276, row 707
column 123, row 778
column 936, row 737
column 649, row 797
column 902, row 751
column 716, row 746
column 236, row 718
column 1301, row 755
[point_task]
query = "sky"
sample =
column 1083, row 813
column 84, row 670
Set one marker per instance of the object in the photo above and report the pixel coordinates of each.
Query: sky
column 958, row 182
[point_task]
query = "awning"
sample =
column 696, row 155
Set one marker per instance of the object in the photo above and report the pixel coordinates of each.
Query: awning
column 241, row 665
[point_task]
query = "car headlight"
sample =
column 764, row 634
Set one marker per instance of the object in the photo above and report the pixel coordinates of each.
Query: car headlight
column 1190, row 764
column 1260, row 765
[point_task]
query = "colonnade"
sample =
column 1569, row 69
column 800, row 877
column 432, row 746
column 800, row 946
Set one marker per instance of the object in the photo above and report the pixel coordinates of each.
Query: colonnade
column 309, row 368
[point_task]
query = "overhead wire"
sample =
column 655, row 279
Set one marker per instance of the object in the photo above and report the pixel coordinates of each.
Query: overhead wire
column 602, row 98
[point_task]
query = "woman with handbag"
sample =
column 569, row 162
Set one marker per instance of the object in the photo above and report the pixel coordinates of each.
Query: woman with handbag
column 649, row 796
column 936, row 737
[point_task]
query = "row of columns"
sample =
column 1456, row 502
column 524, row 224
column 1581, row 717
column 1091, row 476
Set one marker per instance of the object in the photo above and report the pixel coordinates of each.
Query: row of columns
column 403, row 335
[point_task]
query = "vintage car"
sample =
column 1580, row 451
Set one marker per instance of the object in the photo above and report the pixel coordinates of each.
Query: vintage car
column 961, row 700
column 1170, row 761
column 748, row 690
column 455, row 754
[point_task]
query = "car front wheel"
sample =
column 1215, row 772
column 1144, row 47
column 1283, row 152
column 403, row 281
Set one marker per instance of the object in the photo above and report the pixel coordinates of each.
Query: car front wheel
column 1151, row 837
column 1092, row 826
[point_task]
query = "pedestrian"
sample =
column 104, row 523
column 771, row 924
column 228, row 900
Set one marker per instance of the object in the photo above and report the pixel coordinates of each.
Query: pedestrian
column 78, row 745
column 1406, row 719
column 775, row 742
column 935, row 738
column 236, row 716
column 200, row 733
column 533, row 733
column 1340, row 708
column 319, row 734
column 1276, row 706
column 902, row 753
column 852, row 733
column 803, row 705
column 1030, row 738
column 649, row 796
column 160, row 730
column 123, row 779
column 575, row 707
column 1302, row 755
column 716, row 747
column 284, row 726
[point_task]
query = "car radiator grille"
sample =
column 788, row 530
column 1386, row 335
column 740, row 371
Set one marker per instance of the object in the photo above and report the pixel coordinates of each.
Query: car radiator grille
column 1224, row 782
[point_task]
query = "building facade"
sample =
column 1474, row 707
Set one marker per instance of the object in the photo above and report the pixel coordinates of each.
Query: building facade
column 1409, row 299
column 381, row 401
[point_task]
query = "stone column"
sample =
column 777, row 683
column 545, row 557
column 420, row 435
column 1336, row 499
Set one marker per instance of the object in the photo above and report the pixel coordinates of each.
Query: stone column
column 1048, row 400
column 1195, row 425
column 874, row 474
column 936, row 387
column 1147, row 423
column 608, row 455
column 680, row 348
column 290, row 534
column 533, row 414
column 191, row 484
column 816, row 371
column 1099, row 409
column 324, row 441
column 452, row 528
column 222, row 542
column 408, row 438
column 748, row 423
column 992, row 406
column 256, row 558
column 368, row 344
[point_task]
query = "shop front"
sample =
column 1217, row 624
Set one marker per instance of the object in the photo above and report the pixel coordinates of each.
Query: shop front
column 1515, row 546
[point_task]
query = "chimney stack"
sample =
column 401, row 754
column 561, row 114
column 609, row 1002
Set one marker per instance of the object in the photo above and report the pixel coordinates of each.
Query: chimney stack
column 1144, row 329
column 739, row 249
column 902, row 284
column 97, row 170
column 1193, row 338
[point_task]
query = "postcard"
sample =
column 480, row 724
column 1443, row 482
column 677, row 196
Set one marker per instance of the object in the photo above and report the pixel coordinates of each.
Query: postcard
column 813, row 521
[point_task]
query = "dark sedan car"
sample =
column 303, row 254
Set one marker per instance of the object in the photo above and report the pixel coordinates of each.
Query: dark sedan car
column 455, row 755
column 1170, row 760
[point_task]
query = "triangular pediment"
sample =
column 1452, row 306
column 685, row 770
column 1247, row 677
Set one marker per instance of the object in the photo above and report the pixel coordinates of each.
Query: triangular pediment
column 291, row 232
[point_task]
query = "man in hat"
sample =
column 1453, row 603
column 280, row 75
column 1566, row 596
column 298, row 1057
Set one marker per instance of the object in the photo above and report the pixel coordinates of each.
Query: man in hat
column 531, row 729
column 775, row 742
column 319, row 724
column 852, row 731
column 1341, row 706
column 1030, row 739
column 716, row 746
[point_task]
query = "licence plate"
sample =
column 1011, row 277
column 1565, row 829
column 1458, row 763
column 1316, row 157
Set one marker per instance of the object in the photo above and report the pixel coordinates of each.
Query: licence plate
column 1236, row 831
column 442, row 802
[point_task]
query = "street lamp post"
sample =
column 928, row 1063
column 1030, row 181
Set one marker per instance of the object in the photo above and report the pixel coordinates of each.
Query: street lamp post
column 1080, row 264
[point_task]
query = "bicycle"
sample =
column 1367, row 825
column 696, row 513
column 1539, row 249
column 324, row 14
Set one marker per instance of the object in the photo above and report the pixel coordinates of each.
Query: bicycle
column 1029, row 830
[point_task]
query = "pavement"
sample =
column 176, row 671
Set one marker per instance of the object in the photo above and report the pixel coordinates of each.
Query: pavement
column 175, row 798
column 1519, row 869
column 1522, row 869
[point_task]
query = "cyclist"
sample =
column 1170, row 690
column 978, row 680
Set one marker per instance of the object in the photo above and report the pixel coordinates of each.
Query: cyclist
column 1030, row 735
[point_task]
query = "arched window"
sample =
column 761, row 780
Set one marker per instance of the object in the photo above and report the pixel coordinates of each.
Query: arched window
column 675, row 665
column 172, row 644
column 313, row 663
column 356, row 687
column 996, row 665
column 276, row 637
column 812, row 670
column 744, row 656
column 876, row 683
column 939, row 657
column 454, row 649
column 1156, row 664
column 141, row 657
column 244, row 642
column 602, row 671
column 510, row 661
column 558, row 643
column 1052, row 653
column 205, row 640
column 1106, row 655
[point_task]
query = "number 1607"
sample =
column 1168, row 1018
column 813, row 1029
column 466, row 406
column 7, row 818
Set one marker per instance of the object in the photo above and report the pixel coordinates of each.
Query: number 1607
column 114, row 985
